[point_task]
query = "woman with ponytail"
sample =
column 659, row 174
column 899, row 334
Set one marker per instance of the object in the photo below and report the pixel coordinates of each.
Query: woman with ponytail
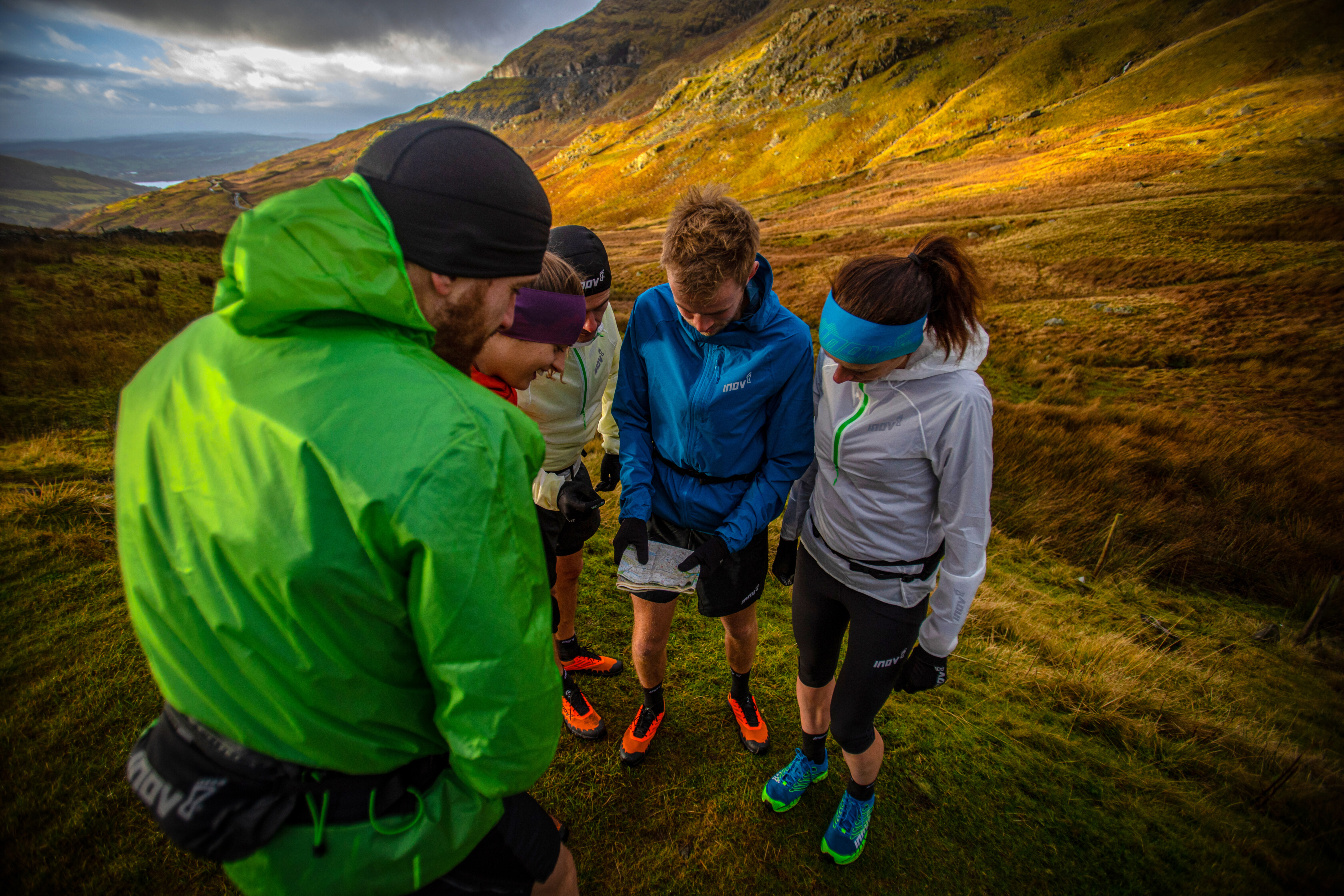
column 893, row 514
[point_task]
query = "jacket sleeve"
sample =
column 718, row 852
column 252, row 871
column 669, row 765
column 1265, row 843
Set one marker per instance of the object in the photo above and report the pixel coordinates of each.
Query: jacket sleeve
column 631, row 410
column 611, row 433
column 479, row 609
column 788, row 451
column 800, row 496
column 963, row 460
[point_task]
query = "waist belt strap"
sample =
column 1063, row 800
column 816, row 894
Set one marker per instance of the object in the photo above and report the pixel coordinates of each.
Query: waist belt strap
column 928, row 565
column 702, row 478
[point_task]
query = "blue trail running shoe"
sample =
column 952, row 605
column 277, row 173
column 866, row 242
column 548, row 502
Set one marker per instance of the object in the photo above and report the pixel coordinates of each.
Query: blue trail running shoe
column 848, row 832
column 786, row 788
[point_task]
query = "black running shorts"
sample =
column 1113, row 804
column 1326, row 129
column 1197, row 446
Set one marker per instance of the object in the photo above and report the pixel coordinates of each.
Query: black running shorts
column 559, row 536
column 880, row 635
column 519, row 851
column 735, row 585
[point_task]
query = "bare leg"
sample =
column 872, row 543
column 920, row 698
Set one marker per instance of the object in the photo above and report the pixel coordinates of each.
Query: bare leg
column 648, row 642
column 564, row 879
column 814, row 707
column 566, row 592
column 863, row 767
column 739, row 639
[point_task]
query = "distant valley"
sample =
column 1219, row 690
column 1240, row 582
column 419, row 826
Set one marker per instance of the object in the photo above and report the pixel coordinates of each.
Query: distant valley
column 43, row 196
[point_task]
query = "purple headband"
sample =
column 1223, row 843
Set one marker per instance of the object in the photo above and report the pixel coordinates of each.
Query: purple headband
column 555, row 318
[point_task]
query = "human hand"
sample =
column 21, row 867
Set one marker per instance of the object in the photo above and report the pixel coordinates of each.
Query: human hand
column 708, row 556
column 610, row 475
column 634, row 532
column 576, row 499
column 922, row 671
column 786, row 560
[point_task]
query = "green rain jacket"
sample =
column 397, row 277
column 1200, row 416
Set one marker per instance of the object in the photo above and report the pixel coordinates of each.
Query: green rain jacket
column 329, row 546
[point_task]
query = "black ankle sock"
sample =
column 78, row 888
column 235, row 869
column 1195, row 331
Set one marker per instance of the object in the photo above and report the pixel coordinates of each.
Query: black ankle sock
column 741, row 687
column 861, row 792
column 569, row 648
column 567, row 683
column 653, row 699
column 814, row 746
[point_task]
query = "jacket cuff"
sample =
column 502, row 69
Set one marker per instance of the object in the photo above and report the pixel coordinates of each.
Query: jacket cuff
column 546, row 489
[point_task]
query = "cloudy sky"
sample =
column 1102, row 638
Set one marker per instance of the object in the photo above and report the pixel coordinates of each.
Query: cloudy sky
column 95, row 68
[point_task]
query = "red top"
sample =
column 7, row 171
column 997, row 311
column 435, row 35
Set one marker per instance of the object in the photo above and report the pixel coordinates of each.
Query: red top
column 495, row 385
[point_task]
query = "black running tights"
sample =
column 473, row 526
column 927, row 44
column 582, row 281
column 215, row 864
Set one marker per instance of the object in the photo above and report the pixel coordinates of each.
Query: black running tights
column 879, row 637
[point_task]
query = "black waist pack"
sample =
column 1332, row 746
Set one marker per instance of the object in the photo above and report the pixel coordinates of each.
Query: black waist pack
column 927, row 565
column 222, row 801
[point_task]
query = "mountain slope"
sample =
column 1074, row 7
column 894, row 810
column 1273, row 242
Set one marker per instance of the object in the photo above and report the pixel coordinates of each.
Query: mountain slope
column 623, row 106
column 42, row 196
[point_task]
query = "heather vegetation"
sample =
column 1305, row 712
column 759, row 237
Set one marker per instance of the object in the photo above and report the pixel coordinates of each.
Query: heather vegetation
column 1153, row 191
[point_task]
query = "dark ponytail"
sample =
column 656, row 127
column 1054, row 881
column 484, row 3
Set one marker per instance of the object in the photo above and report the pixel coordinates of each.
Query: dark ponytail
column 936, row 279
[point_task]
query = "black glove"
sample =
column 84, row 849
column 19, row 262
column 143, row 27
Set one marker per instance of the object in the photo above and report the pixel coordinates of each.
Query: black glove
column 635, row 532
column 921, row 671
column 610, row 476
column 576, row 499
column 708, row 556
column 786, row 559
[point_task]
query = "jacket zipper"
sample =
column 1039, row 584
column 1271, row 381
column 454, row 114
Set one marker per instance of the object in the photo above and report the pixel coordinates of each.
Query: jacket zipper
column 583, row 408
column 840, row 431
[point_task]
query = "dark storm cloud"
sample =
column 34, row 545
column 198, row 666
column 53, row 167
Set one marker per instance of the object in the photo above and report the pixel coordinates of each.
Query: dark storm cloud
column 14, row 65
column 326, row 24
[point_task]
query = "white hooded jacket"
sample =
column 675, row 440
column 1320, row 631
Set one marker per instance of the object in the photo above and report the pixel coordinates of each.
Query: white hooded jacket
column 902, row 465
column 572, row 409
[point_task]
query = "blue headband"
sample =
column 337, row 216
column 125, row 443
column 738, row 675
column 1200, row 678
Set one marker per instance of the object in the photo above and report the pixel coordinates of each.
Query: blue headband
column 853, row 340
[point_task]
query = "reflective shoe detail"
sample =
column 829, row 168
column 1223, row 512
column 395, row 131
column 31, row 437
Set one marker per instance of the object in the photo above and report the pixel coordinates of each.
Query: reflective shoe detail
column 844, row 839
column 580, row 717
column 639, row 735
column 589, row 663
column 754, row 737
column 786, row 787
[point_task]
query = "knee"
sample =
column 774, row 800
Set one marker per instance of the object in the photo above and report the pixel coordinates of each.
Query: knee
column 648, row 648
column 853, row 735
column 564, row 880
column 812, row 676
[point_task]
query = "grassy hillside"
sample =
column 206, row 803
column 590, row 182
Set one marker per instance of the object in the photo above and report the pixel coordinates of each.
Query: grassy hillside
column 41, row 196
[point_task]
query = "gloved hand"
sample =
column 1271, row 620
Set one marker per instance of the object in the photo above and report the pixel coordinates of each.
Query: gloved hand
column 634, row 532
column 921, row 671
column 708, row 556
column 576, row 499
column 610, row 475
column 786, row 560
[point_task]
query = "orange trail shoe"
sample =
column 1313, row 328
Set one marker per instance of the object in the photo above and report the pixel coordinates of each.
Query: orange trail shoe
column 580, row 717
column 750, row 726
column 639, row 735
column 589, row 663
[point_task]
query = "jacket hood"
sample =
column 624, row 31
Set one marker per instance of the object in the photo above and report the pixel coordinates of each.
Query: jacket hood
column 328, row 247
column 762, row 303
column 929, row 360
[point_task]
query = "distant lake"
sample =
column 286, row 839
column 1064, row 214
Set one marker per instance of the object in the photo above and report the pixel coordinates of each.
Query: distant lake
column 158, row 184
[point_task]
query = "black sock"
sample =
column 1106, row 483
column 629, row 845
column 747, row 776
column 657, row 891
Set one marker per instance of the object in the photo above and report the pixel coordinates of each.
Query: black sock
column 861, row 792
column 814, row 746
column 569, row 648
column 653, row 699
column 741, row 687
column 567, row 683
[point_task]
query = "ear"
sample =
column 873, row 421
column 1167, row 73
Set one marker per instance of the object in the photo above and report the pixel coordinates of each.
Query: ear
column 755, row 266
column 442, row 283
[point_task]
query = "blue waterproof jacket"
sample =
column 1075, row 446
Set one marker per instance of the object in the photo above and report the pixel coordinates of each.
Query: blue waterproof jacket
column 735, row 404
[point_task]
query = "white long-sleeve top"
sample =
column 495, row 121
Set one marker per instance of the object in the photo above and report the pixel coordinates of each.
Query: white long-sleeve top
column 901, row 465
column 572, row 409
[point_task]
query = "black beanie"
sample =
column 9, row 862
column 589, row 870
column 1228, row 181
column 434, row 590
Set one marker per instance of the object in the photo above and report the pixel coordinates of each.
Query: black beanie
column 585, row 253
column 462, row 202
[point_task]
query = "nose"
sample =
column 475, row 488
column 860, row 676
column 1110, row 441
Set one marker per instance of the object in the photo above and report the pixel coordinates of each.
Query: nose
column 507, row 320
column 558, row 365
column 842, row 375
column 591, row 323
column 703, row 325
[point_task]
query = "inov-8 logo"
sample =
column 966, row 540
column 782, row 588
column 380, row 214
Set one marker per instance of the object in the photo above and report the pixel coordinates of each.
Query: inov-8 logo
column 740, row 384
column 160, row 796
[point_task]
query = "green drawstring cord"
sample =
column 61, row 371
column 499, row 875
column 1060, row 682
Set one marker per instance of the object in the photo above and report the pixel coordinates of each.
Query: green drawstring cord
column 392, row 832
column 319, row 819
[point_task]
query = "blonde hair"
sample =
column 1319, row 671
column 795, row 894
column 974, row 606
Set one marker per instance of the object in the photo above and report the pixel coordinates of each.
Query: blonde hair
column 710, row 238
column 558, row 275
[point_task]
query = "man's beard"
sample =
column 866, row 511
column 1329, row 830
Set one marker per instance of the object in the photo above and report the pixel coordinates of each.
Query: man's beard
column 459, row 339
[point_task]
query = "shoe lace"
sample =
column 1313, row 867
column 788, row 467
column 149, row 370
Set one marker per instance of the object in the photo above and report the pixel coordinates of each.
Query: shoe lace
column 853, row 814
column 574, row 697
column 644, row 721
column 748, row 711
column 797, row 773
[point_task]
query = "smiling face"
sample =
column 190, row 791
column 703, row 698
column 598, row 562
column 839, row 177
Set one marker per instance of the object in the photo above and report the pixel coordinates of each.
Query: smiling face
column 517, row 362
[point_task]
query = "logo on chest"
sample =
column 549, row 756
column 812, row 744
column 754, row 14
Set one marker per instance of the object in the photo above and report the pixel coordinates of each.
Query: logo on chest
column 887, row 426
column 740, row 384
